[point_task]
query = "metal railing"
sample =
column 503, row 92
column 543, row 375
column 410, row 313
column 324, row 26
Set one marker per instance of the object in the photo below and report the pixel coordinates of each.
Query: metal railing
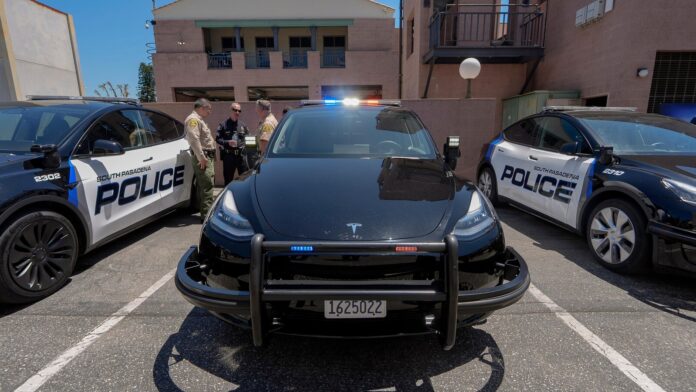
column 258, row 59
column 466, row 29
column 333, row 58
column 295, row 58
column 219, row 60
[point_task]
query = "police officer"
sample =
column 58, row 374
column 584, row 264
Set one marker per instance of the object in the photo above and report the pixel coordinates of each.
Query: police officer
column 230, row 138
column 267, row 123
column 203, row 148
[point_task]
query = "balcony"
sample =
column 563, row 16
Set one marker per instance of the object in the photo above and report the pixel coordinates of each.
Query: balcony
column 295, row 58
column 505, row 35
column 333, row 58
column 261, row 59
column 219, row 60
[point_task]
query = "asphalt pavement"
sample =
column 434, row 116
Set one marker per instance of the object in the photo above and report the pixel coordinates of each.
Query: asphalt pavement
column 584, row 328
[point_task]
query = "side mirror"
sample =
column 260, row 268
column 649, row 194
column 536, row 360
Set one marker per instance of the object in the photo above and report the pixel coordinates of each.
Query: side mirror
column 51, row 158
column 606, row 155
column 250, row 143
column 451, row 151
column 107, row 147
column 571, row 148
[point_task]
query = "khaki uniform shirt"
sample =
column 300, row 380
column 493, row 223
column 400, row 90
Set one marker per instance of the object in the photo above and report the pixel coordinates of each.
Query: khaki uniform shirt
column 266, row 127
column 198, row 135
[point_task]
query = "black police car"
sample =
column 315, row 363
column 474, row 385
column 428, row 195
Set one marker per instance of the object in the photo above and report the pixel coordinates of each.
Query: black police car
column 352, row 225
column 75, row 173
column 624, row 180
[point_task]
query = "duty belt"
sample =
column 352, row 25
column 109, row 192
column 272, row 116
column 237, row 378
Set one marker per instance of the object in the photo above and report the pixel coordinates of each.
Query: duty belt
column 209, row 153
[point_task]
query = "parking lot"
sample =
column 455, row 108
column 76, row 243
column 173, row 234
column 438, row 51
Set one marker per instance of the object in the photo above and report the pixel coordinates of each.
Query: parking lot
column 580, row 327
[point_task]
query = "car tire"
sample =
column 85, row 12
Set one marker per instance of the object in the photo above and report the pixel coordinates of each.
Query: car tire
column 487, row 184
column 38, row 252
column 617, row 236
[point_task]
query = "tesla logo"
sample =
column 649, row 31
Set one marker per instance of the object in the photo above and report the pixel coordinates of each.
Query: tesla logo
column 354, row 226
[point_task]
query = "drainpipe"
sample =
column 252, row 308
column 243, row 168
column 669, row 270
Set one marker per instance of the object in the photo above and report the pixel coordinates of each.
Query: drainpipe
column 401, row 47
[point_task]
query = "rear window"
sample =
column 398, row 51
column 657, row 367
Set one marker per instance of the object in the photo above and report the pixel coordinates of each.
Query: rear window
column 352, row 132
column 22, row 127
column 642, row 134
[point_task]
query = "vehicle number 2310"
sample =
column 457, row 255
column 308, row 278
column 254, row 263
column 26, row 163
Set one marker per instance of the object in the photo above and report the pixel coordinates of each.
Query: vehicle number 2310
column 348, row 309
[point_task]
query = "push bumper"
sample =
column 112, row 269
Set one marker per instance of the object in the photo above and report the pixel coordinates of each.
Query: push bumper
column 511, row 286
column 673, row 233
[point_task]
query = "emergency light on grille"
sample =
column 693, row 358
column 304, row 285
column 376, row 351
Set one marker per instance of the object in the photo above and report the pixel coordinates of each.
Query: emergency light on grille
column 300, row 248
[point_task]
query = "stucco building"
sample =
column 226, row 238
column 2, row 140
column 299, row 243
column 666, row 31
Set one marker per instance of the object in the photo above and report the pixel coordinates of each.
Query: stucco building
column 281, row 50
column 38, row 51
column 637, row 53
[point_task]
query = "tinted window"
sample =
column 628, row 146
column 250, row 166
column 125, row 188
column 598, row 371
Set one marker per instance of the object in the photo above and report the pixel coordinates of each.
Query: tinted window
column 642, row 134
column 523, row 133
column 22, row 127
column 351, row 132
column 163, row 129
column 124, row 127
column 554, row 132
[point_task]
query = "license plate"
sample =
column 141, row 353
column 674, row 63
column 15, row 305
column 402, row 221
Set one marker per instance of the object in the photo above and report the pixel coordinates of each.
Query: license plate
column 352, row 309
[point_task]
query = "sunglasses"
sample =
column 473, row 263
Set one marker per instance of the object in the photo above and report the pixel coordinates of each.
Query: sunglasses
column 237, row 110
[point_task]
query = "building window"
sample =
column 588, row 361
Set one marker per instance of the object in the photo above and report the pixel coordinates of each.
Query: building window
column 411, row 31
column 334, row 54
column 190, row 94
column 673, row 79
column 264, row 43
column 334, row 41
column 279, row 93
column 301, row 42
column 229, row 44
column 596, row 101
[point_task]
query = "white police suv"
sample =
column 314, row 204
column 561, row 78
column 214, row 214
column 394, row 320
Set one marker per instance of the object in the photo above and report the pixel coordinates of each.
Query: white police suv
column 78, row 172
column 624, row 180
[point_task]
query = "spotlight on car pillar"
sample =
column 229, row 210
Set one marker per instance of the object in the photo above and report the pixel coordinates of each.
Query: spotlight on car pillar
column 453, row 141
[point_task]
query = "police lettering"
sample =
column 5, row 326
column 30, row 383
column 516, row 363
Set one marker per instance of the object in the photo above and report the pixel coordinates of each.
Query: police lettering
column 546, row 186
column 134, row 188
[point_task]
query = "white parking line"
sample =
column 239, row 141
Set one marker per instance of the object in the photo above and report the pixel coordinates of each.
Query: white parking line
column 618, row 360
column 37, row 380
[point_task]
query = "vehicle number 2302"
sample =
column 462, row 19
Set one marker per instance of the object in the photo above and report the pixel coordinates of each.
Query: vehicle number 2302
column 335, row 309
column 47, row 177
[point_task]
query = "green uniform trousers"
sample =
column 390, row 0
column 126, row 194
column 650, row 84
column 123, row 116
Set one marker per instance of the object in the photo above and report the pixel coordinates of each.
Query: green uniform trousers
column 204, row 184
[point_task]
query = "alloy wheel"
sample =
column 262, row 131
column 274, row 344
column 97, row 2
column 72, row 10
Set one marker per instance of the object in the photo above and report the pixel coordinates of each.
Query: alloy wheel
column 40, row 254
column 485, row 183
column 613, row 235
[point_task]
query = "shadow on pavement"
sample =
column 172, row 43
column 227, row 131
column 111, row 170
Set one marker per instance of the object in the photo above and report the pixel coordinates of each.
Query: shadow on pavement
column 669, row 293
column 291, row 363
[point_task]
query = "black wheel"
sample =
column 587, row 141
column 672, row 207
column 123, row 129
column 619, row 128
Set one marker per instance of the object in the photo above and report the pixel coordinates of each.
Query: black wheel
column 38, row 252
column 487, row 184
column 617, row 236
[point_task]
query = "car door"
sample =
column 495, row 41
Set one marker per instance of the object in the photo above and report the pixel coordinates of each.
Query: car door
column 116, row 190
column 511, row 163
column 173, row 154
column 561, row 168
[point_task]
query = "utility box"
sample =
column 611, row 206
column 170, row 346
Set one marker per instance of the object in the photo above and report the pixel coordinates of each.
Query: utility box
column 521, row 106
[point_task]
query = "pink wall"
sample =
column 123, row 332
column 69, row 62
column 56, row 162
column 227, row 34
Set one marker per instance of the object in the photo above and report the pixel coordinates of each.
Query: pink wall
column 474, row 121
column 602, row 58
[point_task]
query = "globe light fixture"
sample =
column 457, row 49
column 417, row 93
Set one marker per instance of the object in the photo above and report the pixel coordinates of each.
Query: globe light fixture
column 469, row 69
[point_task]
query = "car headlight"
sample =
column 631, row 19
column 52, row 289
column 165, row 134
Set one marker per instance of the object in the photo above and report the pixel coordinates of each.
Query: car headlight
column 477, row 220
column 686, row 192
column 227, row 218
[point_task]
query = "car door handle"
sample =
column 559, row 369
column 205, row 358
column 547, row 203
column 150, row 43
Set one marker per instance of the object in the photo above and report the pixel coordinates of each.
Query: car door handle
column 147, row 160
column 532, row 157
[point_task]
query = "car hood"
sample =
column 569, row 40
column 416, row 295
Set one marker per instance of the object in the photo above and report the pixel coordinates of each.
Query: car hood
column 353, row 199
column 670, row 166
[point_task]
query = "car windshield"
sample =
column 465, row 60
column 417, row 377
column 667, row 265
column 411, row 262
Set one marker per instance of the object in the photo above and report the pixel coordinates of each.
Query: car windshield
column 352, row 132
column 24, row 126
column 642, row 134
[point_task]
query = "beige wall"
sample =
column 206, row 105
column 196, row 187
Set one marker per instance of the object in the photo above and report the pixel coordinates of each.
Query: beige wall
column 272, row 9
column 602, row 58
column 473, row 120
column 43, row 49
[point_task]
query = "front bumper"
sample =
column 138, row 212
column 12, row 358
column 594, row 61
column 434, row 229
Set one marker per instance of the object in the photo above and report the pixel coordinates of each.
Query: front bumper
column 674, row 247
column 512, row 284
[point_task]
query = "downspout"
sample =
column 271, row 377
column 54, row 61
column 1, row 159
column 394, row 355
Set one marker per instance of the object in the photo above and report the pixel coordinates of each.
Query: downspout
column 401, row 47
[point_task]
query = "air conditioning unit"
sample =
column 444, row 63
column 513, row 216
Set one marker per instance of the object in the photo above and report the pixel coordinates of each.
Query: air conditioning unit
column 581, row 16
column 595, row 10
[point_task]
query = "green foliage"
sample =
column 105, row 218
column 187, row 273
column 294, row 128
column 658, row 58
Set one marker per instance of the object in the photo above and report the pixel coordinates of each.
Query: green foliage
column 146, row 83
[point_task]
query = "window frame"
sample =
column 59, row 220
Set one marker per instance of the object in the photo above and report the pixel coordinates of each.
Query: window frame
column 538, row 120
column 534, row 143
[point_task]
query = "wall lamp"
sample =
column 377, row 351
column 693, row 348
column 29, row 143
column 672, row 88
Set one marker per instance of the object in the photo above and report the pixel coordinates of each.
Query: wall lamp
column 642, row 72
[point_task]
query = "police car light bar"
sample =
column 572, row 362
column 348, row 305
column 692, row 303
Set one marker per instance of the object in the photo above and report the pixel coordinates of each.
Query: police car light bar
column 588, row 108
column 132, row 101
column 351, row 102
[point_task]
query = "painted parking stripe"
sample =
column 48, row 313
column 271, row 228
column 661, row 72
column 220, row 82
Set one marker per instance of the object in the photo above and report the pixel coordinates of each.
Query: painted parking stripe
column 618, row 360
column 40, row 378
